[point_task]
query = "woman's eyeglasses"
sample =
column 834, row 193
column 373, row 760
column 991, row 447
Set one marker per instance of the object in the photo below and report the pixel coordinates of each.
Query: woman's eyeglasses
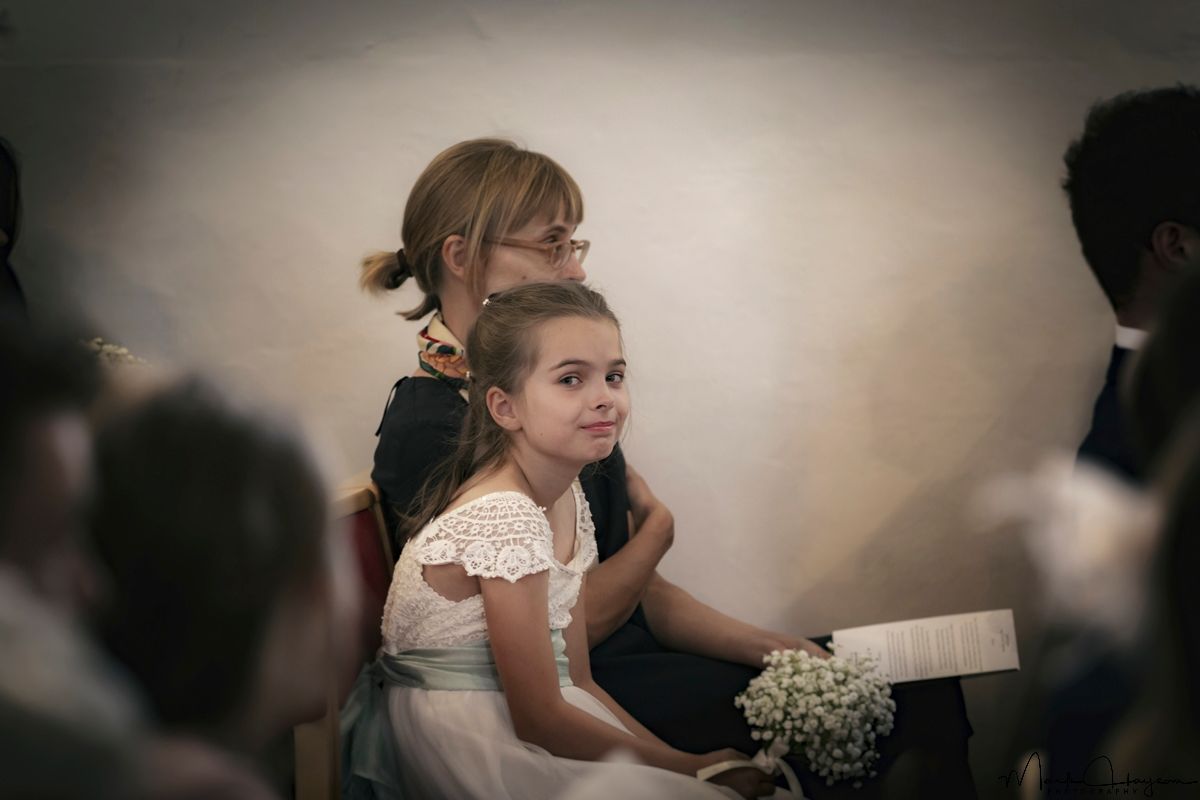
column 557, row 253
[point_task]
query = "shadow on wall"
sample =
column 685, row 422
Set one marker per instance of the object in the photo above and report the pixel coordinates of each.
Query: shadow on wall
column 946, row 411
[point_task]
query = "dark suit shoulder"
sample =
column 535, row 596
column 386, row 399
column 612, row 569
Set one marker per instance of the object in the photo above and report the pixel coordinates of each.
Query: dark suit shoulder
column 1108, row 442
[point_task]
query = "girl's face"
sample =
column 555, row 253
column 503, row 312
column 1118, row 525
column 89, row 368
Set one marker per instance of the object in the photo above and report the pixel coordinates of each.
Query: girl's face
column 573, row 403
column 508, row 265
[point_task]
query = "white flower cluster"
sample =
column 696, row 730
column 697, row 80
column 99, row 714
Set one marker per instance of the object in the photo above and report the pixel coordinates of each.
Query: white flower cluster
column 830, row 711
column 112, row 354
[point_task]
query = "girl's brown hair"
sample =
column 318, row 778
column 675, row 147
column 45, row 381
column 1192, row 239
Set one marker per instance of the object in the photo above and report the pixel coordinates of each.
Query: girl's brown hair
column 479, row 189
column 503, row 348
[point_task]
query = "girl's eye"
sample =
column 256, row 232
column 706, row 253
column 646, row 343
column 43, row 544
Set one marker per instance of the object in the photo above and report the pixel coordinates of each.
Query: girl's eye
column 569, row 380
column 616, row 377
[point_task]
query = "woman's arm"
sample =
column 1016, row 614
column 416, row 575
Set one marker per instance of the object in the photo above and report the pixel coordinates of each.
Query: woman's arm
column 681, row 622
column 518, row 628
column 581, row 669
column 619, row 583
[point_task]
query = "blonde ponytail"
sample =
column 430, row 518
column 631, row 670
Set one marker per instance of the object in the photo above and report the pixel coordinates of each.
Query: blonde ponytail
column 383, row 271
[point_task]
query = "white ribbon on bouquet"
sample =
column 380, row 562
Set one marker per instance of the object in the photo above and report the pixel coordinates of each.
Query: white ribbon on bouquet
column 769, row 760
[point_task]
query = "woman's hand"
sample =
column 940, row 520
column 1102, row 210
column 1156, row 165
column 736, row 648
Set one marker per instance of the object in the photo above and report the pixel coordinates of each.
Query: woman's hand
column 746, row 781
column 812, row 648
column 779, row 641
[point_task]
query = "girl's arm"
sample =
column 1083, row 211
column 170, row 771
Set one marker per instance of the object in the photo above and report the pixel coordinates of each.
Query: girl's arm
column 619, row 582
column 519, row 630
column 581, row 668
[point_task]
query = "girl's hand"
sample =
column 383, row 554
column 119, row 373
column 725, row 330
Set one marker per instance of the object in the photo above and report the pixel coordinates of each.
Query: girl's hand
column 717, row 756
column 746, row 781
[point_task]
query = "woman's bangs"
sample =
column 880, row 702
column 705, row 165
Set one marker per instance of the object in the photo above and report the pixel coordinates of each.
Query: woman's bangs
column 551, row 194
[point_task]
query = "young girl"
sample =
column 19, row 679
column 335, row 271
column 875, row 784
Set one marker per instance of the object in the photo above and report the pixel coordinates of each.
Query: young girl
column 484, row 671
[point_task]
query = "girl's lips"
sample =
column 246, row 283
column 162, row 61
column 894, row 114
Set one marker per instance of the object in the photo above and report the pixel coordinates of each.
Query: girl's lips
column 600, row 426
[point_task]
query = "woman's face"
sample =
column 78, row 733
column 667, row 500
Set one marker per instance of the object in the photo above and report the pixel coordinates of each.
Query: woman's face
column 509, row 266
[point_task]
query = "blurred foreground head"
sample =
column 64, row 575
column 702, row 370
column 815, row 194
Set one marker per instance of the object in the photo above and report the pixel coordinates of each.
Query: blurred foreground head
column 1161, row 734
column 212, row 522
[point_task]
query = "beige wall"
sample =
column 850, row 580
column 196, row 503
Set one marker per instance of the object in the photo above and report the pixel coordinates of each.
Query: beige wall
column 848, row 279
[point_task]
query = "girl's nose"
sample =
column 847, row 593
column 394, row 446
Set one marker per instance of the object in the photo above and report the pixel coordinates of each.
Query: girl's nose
column 604, row 396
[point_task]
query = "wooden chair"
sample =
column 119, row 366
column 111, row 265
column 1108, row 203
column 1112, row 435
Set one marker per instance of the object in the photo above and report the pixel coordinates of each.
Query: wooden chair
column 317, row 747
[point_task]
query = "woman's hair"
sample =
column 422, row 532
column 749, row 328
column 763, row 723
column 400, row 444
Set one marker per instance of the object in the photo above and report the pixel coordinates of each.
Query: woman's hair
column 502, row 348
column 205, row 517
column 479, row 189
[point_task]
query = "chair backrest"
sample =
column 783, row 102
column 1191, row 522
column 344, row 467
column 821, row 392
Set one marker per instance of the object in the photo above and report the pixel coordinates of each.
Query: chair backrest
column 356, row 505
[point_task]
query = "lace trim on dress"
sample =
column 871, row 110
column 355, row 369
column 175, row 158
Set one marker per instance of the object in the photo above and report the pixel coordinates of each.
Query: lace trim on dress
column 500, row 535
column 415, row 615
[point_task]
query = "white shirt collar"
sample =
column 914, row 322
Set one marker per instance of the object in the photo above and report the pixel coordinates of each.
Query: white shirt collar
column 1130, row 338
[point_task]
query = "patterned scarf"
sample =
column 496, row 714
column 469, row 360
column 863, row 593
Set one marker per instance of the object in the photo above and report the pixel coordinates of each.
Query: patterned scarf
column 441, row 354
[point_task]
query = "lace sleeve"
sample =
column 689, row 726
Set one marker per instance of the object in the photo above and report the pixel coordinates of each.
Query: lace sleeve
column 500, row 535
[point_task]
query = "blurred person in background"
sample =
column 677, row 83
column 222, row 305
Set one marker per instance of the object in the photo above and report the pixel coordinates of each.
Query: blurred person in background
column 1160, row 733
column 72, row 724
column 1159, row 737
column 1119, row 564
column 1132, row 179
column 60, row 700
column 228, row 598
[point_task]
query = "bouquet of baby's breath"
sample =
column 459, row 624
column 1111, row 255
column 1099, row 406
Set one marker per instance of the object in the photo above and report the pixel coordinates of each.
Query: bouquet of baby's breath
column 829, row 711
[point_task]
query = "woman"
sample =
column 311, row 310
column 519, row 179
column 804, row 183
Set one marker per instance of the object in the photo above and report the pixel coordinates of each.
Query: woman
column 486, row 215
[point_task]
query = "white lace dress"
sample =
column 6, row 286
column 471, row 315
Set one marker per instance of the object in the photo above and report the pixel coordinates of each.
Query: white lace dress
column 461, row 744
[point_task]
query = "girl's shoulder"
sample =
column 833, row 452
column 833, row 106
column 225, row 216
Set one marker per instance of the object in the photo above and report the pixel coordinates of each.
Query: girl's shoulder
column 487, row 503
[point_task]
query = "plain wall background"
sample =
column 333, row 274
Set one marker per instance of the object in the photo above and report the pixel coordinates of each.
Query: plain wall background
column 834, row 232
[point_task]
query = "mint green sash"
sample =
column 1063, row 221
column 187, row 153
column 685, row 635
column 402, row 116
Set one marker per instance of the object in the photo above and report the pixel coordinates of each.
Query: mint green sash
column 469, row 667
column 368, row 748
